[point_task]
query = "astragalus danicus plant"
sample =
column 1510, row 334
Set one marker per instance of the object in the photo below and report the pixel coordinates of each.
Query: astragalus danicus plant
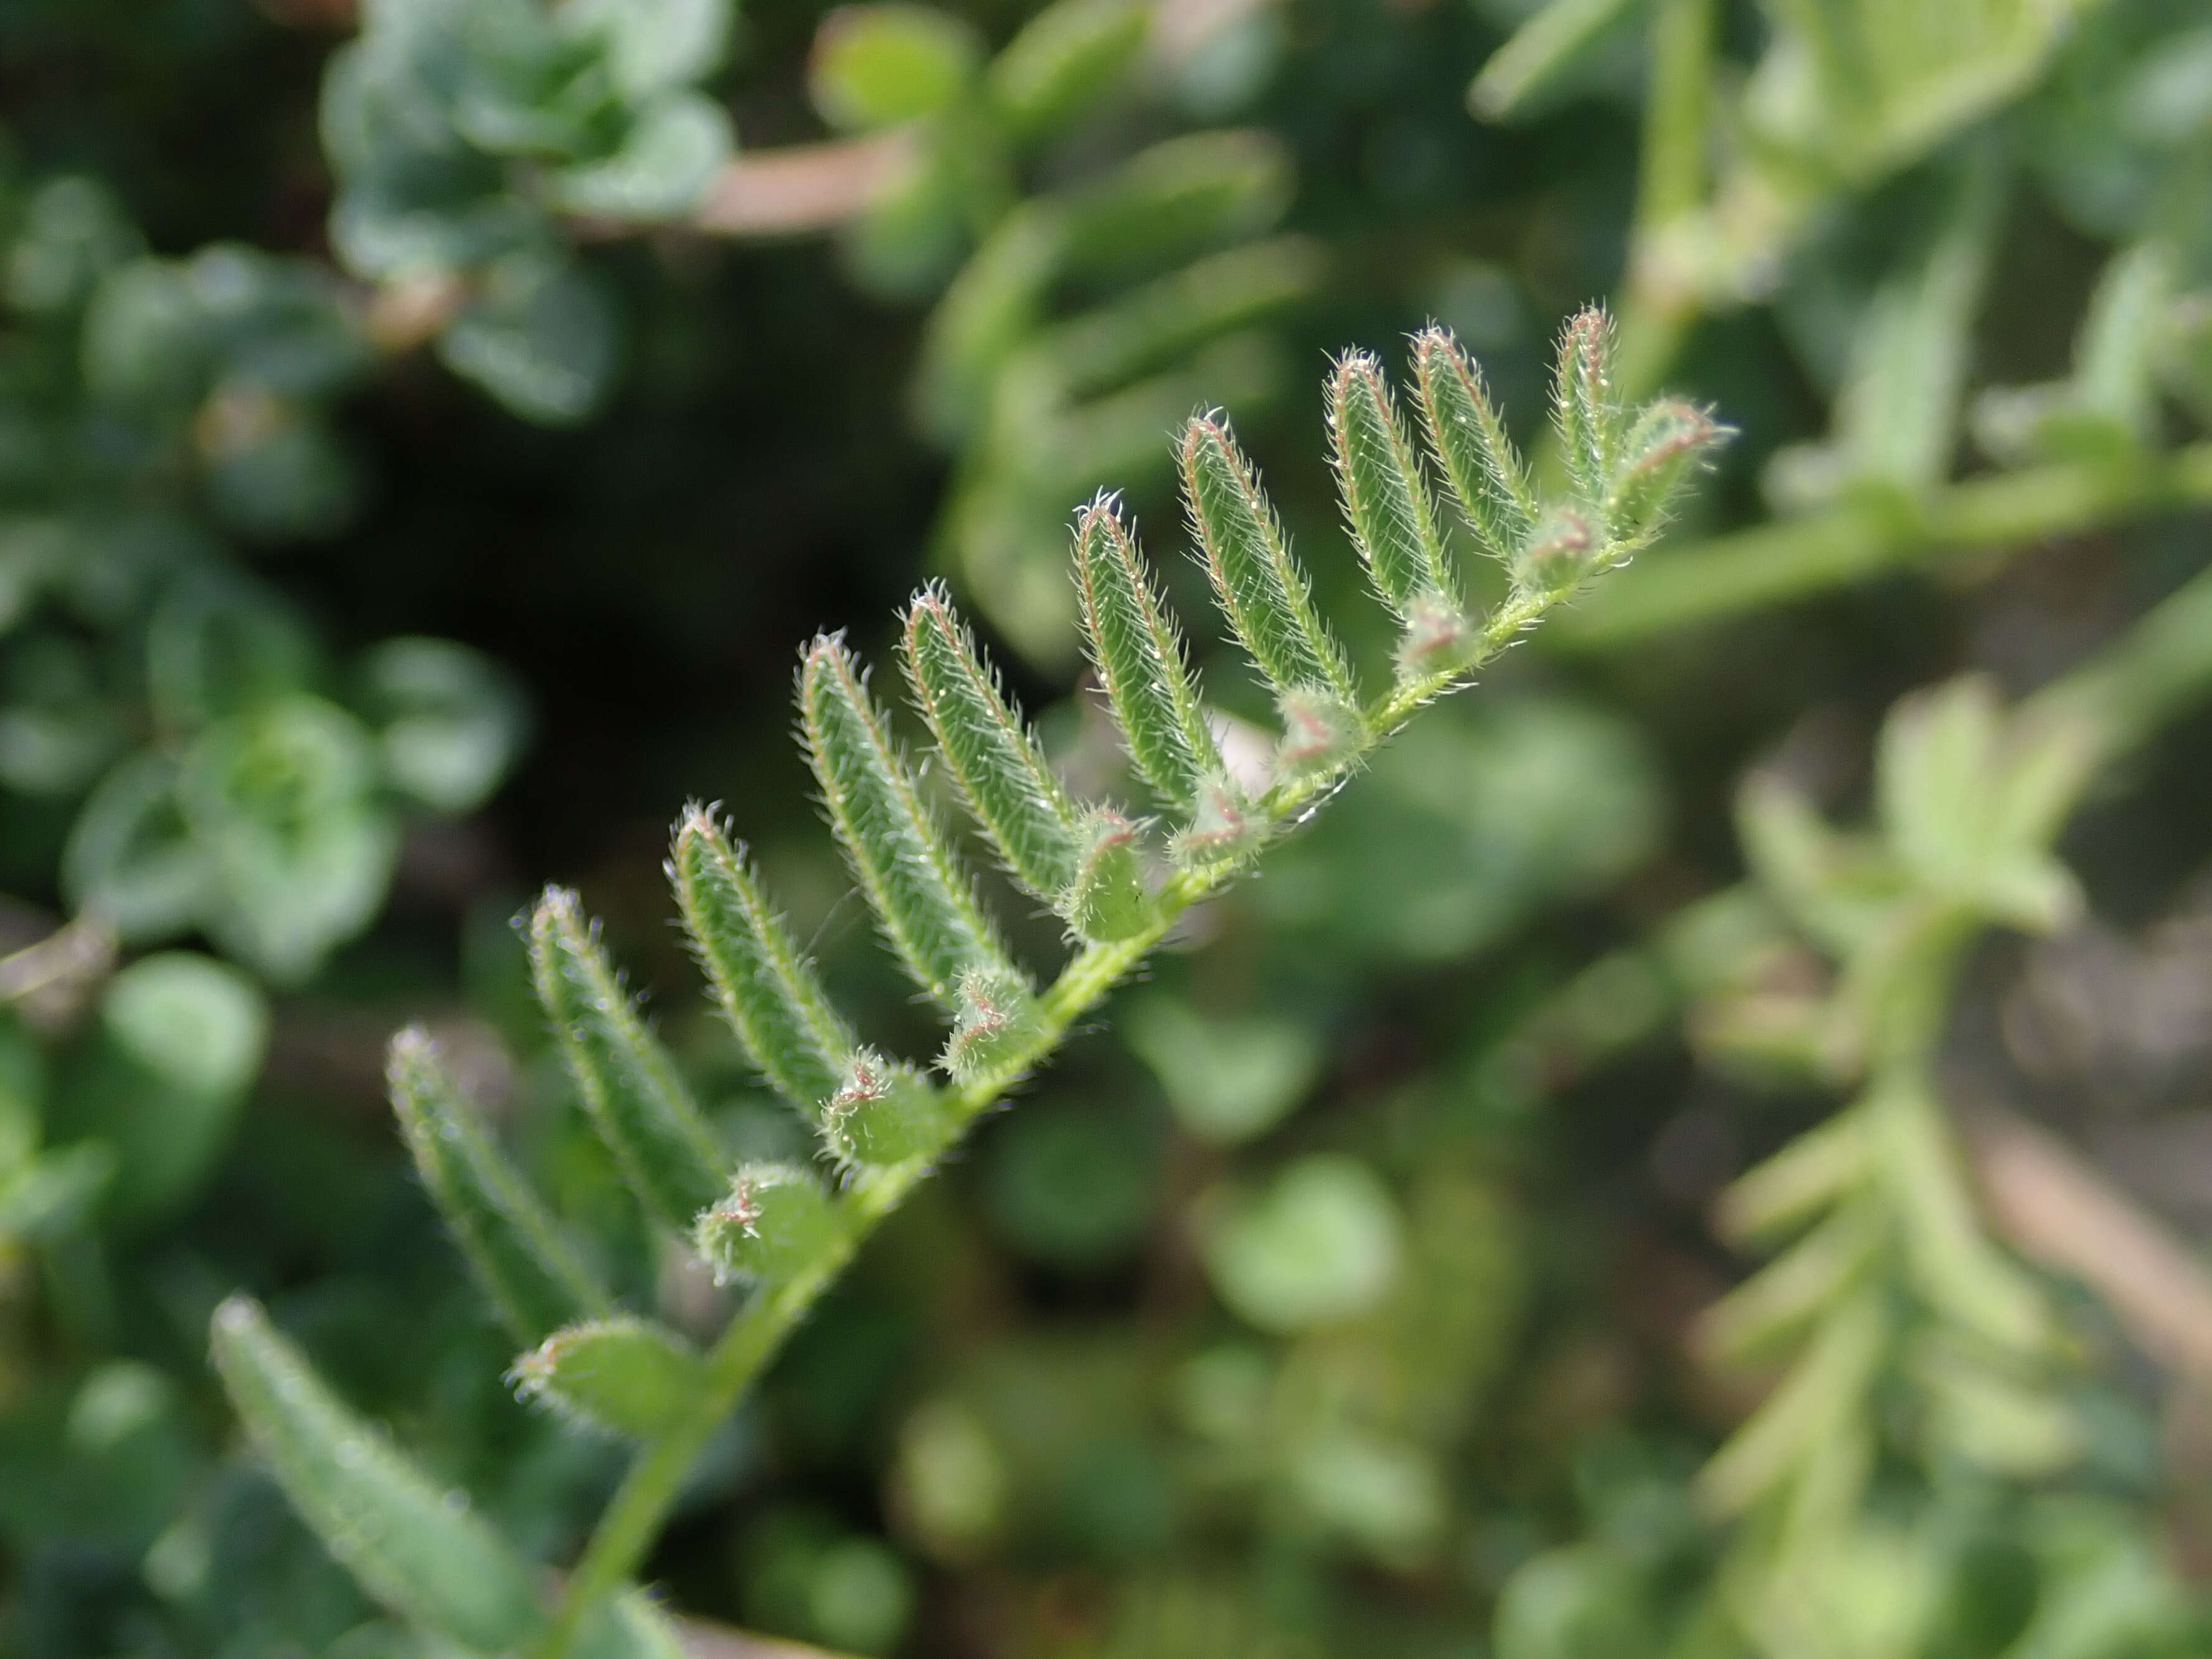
column 1117, row 875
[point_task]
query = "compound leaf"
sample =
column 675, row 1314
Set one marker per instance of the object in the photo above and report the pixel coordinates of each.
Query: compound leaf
column 1386, row 498
column 1488, row 480
column 626, row 1375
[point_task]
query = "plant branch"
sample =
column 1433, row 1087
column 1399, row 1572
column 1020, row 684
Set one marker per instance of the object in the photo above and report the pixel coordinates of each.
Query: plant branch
column 1777, row 563
column 633, row 1520
column 2155, row 671
column 1657, row 306
column 2161, row 665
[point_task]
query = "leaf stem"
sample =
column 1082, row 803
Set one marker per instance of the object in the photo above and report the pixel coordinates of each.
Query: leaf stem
column 632, row 1522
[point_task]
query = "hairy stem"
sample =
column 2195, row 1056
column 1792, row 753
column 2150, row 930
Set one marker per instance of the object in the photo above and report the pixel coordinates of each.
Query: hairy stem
column 632, row 1522
column 1775, row 563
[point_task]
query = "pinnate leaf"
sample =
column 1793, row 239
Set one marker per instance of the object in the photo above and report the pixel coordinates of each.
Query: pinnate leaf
column 1224, row 827
column 1668, row 438
column 1583, row 405
column 997, row 1020
column 1109, row 900
column 992, row 756
column 1488, row 480
column 884, row 1113
column 775, row 1221
column 626, row 1375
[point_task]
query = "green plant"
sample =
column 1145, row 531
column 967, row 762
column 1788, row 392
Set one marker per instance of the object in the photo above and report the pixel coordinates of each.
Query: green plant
column 1902, row 1322
column 1892, row 1277
column 229, row 780
column 465, row 137
column 215, row 775
column 1837, row 101
column 1878, row 95
column 1918, row 1376
column 884, row 1122
column 1340, row 1296
column 185, row 761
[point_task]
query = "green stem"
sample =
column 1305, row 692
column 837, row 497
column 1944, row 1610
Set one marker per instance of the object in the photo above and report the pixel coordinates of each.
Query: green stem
column 1774, row 563
column 633, row 1520
column 1656, row 309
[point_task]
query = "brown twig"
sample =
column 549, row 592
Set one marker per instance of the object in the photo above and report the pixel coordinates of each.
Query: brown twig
column 2052, row 1207
column 50, row 979
column 800, row 188
column 702, row 1640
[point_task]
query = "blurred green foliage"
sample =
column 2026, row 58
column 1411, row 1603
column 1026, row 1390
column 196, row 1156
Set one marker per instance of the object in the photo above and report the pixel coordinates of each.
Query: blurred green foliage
column 455, row 135
column 1380, row 1276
